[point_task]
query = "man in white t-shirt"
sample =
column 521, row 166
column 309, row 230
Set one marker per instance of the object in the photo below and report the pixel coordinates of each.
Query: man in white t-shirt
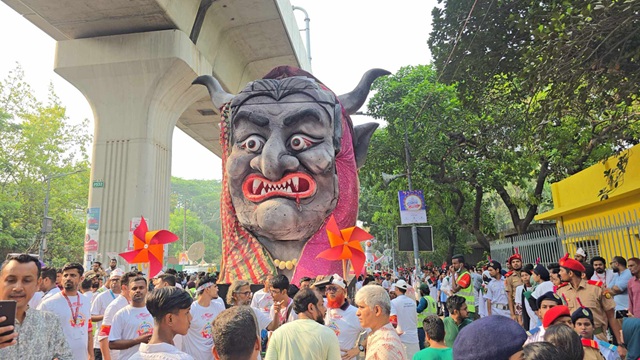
column 405, row 310
column 239, row 294
column 601, row 272
column 133, row 324
column 198, row 340
column 48, row 285
column 386, row 283
column 99, row 306
column 113, row 264
column 116, row 305
column 74, row 312
column 171, row 311
column 262, row 299
column 341, row 318
column 282, row 309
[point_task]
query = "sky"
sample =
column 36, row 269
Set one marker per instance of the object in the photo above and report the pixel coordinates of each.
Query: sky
column 348, row 37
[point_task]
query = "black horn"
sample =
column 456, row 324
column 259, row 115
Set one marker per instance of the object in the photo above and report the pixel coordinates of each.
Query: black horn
column 353, row 100
column 219, row 97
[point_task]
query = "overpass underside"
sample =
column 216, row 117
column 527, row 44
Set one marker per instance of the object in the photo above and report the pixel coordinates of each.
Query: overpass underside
column 134, row 60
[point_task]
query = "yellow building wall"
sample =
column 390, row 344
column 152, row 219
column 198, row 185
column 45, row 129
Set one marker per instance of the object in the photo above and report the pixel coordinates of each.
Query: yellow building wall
column 607, row 228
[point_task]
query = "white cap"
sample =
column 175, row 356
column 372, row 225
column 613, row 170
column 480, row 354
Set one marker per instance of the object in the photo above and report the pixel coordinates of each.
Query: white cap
column 159, row 274
column 337, row 280
column 401, row 284
column 116, row 272
column 581, row 252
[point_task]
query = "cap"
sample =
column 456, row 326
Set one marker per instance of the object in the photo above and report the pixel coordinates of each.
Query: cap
column 542, row 272
column 553, row 314
column 514, row 257
column 495, row 265
column 478, row 339
column 550, row 295
column 159, row 274
column 581, row 252
column 337, row 280
column 582, row 313
column 401, row 284
column 319, row 283
column 571, row 264
column 116, row 272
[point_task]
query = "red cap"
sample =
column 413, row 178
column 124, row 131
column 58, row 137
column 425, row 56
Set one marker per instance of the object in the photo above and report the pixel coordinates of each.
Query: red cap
column 571, row 264
column 514, row 257
column 553, row 314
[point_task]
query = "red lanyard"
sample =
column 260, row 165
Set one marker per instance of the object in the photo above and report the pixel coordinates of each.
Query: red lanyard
column 77, row 312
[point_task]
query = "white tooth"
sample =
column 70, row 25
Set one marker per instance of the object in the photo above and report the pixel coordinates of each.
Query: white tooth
column 264, row 191
column 296, row 180
column 289, row 189
column 256, row 183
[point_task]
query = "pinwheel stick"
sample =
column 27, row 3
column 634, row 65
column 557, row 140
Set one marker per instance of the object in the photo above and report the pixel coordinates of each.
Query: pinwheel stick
column 344, row 269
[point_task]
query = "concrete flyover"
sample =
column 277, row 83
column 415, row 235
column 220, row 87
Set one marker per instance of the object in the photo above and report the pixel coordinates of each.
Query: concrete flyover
column 134, row 61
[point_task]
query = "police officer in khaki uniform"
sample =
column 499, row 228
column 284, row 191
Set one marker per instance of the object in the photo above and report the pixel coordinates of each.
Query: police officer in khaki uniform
column 577, row 293
column 512, row 281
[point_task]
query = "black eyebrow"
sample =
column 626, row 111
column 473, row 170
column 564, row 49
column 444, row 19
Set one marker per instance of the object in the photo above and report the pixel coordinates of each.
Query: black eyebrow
column 313, row 113
column 250, row 116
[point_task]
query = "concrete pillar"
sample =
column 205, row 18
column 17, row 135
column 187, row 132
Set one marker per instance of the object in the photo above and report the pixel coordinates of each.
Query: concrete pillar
column 138, row 86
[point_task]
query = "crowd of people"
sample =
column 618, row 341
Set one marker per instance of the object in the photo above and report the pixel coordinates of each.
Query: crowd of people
column 572, row 309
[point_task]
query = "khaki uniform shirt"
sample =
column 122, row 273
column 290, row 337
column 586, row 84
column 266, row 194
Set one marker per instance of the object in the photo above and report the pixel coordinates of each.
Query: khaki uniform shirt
column 511, row 283
column 592, row 297
column 591, row 350
column 592, row 354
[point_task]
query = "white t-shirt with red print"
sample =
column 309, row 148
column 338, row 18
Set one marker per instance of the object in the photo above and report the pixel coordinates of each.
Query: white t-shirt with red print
column 199, row 340
column 128, row 324
column 74, row 313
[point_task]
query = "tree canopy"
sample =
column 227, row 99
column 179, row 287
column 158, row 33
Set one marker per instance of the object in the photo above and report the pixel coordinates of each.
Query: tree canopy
column 202, row 218
column 521, row 94
column 37, row 141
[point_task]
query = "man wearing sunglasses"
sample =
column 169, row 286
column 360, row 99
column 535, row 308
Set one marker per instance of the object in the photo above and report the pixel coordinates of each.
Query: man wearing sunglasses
column 342, row 319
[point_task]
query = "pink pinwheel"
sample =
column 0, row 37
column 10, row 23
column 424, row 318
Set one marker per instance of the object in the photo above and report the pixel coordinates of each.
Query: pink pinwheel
column 345, row 245
column 148, row 246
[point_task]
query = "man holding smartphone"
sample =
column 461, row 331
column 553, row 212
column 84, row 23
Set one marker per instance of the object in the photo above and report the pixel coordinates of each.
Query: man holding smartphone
column 19, row 279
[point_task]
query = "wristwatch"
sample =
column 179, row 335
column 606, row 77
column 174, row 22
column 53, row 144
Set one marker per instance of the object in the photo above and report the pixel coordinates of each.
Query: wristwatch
column 361, row 348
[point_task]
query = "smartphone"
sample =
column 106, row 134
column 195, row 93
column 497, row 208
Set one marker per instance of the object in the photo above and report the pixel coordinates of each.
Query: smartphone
column 8, row 310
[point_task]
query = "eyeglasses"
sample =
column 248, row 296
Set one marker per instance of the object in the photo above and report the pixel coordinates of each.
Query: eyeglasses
column 332, row 289
column 245, row 293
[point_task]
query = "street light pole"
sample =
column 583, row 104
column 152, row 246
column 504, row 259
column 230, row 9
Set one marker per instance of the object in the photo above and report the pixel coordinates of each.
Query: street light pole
column 407, row 157
column 47, row 222
column 414, row 229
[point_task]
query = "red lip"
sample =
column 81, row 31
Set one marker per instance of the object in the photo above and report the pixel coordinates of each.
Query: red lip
column 294, row 185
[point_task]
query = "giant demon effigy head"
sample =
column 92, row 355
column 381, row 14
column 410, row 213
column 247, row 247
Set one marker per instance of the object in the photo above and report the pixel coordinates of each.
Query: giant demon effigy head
column 290, row 160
